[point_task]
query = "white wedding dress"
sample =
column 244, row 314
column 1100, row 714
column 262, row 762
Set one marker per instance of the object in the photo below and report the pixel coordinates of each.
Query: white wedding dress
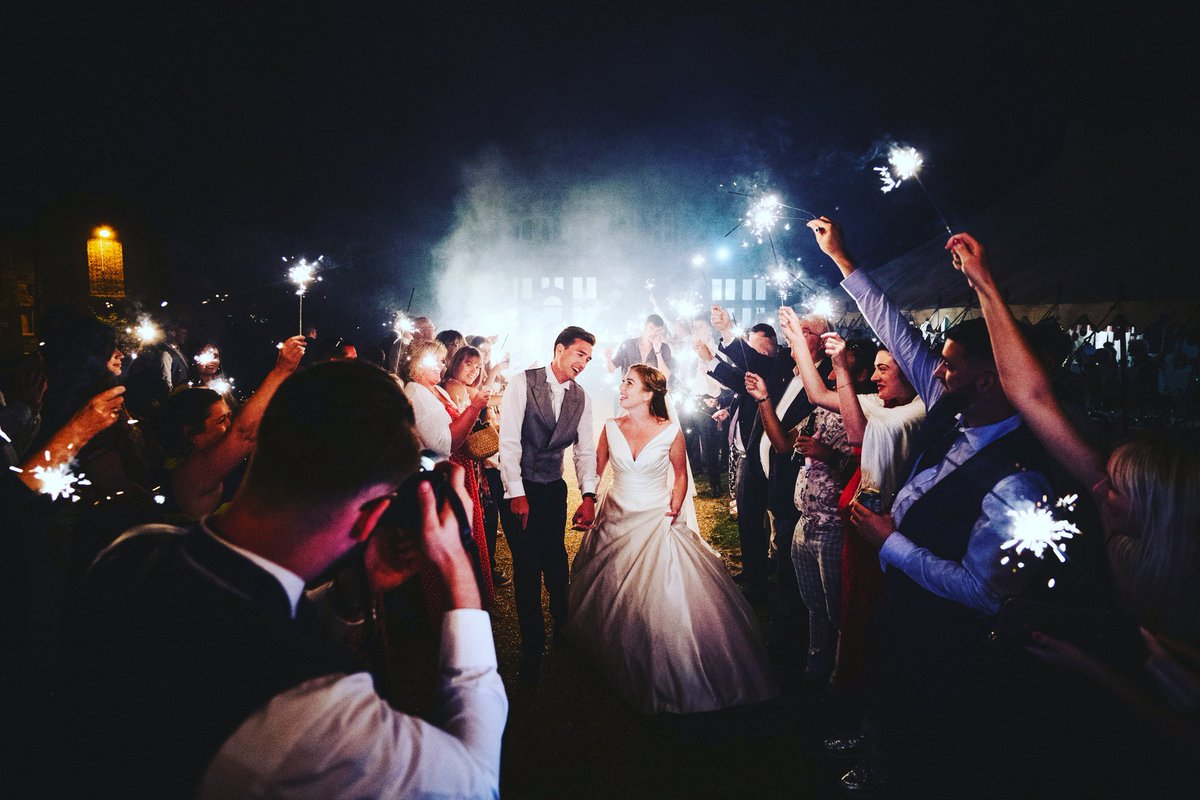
column 652, row 604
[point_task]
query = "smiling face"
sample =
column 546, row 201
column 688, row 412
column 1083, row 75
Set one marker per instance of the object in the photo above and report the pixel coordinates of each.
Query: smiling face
column 114, row 362
column 569, row 360
column 893, row 388
column 468, row 370
column 632, row 392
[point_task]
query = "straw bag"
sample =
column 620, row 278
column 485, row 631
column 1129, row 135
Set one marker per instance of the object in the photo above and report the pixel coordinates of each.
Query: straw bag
column 482, row 443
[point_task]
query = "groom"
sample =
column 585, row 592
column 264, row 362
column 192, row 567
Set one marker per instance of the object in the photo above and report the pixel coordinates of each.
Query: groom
column 544, row 411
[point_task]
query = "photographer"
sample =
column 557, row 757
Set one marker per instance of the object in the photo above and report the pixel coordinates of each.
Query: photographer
column 197, row 666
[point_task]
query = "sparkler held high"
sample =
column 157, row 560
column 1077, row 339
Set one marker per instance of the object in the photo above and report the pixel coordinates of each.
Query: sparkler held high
column 302, row 273
column 905, row 164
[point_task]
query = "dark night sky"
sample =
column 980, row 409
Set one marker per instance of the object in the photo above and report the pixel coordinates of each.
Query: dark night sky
column 221, row 136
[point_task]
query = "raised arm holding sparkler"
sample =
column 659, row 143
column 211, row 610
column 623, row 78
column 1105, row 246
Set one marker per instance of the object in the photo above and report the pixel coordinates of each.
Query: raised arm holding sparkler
column 48, row 470
column 198, row 482
column 1024, row 379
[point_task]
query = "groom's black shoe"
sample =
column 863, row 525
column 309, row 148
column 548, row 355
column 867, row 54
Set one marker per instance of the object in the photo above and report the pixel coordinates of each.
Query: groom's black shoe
column 531, row 670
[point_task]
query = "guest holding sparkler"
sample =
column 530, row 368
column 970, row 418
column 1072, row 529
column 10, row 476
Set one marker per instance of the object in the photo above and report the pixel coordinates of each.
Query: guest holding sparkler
column 1148, row 490
column 206, row 372
column 443, row 427
column 943, row 581
column 1148, row 493
column 216, row 444
column 81, row 360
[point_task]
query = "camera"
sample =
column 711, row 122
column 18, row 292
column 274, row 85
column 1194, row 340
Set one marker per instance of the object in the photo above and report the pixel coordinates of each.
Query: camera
column 404, row 512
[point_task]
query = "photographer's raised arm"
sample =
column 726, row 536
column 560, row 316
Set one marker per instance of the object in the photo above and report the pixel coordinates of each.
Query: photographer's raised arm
column 1024, row 379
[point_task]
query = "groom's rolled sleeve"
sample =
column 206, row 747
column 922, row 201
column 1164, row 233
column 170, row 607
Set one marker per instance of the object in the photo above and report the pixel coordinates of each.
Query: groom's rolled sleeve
column 584, row 452
column 512, row 417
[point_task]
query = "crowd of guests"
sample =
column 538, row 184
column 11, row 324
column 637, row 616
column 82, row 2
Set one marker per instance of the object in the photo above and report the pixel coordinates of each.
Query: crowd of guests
column 880, row 485
column 177, row 556
column 892, row 482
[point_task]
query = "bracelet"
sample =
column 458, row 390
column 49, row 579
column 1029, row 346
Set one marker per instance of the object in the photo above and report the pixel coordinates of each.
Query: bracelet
column 763, row 399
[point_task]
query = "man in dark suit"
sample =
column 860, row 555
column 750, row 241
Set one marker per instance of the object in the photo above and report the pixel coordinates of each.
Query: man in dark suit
column 768, row 484
column 199, row 667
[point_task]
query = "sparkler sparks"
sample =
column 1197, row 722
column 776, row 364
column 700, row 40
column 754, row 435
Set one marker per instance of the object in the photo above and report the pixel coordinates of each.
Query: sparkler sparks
column 206, row 357
column 220, row 385
column 905, row 163
column 146, row 331
column 59, row 481
column 1036, row 530
column 762, row 216
column 823, row 306
column 403, row 324
column 302, row 273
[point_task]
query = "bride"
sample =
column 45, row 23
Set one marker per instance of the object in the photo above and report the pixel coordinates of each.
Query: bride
column 650, row 602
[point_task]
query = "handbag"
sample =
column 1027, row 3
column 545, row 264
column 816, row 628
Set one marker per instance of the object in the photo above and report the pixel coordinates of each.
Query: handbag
column 482, row 443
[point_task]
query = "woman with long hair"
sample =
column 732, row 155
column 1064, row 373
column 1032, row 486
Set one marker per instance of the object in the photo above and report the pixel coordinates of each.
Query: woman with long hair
column 651, row 603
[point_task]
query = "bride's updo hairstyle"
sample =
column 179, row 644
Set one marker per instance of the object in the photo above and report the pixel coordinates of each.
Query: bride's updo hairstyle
column 654, row 382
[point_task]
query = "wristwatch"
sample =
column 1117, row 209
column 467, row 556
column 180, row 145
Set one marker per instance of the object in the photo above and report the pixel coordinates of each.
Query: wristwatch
column 586, row 495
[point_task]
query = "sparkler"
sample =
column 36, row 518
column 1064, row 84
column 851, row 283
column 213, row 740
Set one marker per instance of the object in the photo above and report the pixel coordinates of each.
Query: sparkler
column 58, row 481
column 146, row 331
column 1036, row 530
column 205, row 357
column 403, row 324
column 220, row 385
column 906, row 164
column 302, row 273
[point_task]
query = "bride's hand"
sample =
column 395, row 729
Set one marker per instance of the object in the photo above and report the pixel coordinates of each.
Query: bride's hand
column 673, row 513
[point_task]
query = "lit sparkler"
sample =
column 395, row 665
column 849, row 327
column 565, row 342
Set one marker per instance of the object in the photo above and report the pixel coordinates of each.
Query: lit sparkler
column 146, row 331
column 302, row 273
column 763, row 215
column 905, row 164
column 220, row 385
column 822, row 305
column 403, row 324
column 206, row 357
column 59, row 481
column 1036, row 530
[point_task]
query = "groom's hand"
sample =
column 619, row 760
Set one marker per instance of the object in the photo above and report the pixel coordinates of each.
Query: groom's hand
column 520, row 507
column 585, row 515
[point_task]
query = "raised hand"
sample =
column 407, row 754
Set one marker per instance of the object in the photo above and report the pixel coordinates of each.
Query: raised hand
column 835, row 348
column 702, row 351
column 720, row 319
column 789, row 323
column 970, row 259
column 829, row 238
column 99, row 412
column 290, row 354
column 756, row 387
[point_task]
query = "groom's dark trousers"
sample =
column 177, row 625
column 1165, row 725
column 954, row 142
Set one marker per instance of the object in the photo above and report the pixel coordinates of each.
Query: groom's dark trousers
column 538, row 551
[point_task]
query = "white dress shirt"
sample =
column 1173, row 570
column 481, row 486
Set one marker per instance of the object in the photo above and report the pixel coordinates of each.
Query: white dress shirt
column 432, row 418
column 333, row 736
column 512, row 419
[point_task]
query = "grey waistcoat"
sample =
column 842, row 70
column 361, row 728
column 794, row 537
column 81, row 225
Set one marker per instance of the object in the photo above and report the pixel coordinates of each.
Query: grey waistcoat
column 542, row 439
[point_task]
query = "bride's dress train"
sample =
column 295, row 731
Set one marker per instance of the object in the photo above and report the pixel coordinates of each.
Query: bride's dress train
column 652, row 604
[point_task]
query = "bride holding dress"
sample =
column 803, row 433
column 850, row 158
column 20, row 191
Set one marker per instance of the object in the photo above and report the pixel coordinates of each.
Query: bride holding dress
column 650, row 601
